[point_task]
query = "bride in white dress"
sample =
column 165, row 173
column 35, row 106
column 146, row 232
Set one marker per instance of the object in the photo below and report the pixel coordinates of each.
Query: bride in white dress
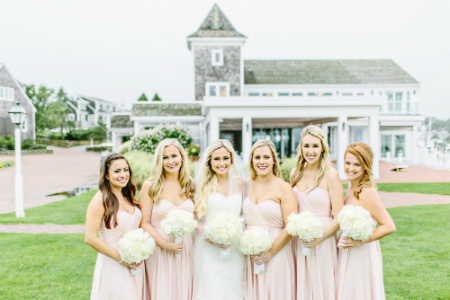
column 220, row 187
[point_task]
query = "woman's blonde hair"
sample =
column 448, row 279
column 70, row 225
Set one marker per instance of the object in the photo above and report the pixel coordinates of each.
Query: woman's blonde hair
column 276, row 166
column 317, row 132
column 207, row 184
column 364, row 155
column 157, row 173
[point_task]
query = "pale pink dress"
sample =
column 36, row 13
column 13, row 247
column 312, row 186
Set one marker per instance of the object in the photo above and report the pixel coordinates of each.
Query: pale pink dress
column 170, row 277
column 360, row 273
column 278, row 280
column 316, row 272
column 112, row 281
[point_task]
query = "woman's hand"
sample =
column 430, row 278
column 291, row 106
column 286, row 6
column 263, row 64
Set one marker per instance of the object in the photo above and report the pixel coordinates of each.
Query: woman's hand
column 132, row 266
column 346, row 242
column 310, row 244
column 173, row 247
column 222, row 247
column 262, row 258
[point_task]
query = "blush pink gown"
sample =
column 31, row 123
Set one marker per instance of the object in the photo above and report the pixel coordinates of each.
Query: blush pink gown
column 316, row 272
column 360, row 273
column 170, row 277
column 278, row 280
column 113, row 281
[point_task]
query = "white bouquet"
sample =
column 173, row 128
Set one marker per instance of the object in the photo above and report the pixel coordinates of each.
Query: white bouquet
column 255, row 241
column 222, row 228
column 177, row 223
column 136, row 246
column 355, row 222
column 306, row 226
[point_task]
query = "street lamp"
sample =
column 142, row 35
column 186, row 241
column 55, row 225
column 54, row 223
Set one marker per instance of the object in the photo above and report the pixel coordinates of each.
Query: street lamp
column 18, row 114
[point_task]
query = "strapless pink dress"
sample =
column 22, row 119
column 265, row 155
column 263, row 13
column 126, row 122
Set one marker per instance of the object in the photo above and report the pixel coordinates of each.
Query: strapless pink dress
column 113, row 281
column 278, row 280
column 316, row 272
column 170, row 277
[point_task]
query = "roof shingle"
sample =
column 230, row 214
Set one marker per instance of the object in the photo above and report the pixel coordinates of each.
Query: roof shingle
column 166, row 109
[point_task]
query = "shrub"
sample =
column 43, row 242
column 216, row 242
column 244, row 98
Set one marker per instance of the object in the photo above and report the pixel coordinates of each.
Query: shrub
column 11, row 162
column 286, row 166
column 149, row 139
column 1, row 166
column 192, row 166
column 193, row 150
column 125, row 147
column 3, row 143
column 140, row 164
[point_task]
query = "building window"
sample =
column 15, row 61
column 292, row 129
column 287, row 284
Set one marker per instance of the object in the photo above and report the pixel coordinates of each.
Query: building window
column 217, row 57
column 283, row 94
column 327, row 94
column 398, row 101
column 217, row 89
column 408, row 103
column 267, row 94
column 360, row 94
column 386, row 145
column 114, row 108
column 297, row 94
column 399, row 145
column 71, row 117
column 347, row 94
column 390, row 98
column 253, row 94
column 24, row 126
column 312, row 94
column 6, row 93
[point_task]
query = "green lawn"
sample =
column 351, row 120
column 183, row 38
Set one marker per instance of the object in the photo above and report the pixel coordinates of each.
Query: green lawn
column 45, row 266
column 438, row 188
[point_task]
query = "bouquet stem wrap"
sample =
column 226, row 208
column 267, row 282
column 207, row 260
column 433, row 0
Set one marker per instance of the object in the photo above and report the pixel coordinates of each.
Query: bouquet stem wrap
column 259, row 269
column 254, row 242
column 306, row 226
column 178, row 238
column 225, row 254
column 355, row 222
column 178, row 223
column 306, row 251
column 134, row 272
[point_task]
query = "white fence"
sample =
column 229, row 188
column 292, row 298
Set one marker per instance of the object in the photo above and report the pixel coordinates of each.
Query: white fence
column 433, row 157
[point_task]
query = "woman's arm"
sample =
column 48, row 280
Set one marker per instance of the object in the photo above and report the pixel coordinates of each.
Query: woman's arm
column 146, row 204
column 289, row 205
column 370, row 200
column 94, row 219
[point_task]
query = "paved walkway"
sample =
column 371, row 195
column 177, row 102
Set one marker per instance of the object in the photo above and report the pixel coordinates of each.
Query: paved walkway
column 47, row 228
column 47, row 174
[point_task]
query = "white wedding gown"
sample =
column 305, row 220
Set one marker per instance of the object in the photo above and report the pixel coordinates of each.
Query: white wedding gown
column 216, row 278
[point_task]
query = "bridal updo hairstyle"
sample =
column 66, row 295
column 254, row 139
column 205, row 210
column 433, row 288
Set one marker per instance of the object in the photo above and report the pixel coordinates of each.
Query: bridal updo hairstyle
column 110, row 201
column 157, row 172
column 364, row 155
column 276, row 166
column 317, row 132
column 207, row 184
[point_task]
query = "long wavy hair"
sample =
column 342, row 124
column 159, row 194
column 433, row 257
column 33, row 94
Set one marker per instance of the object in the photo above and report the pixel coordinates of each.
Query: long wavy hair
column 276, row 166
column 157, row 173
column 317, row 132
column 207, row 184
column 110, row 201
column 364, row 155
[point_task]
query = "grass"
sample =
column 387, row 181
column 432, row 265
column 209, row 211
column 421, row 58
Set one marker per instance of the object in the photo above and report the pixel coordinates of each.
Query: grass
column 45, row 266
column 67, row 212
column 439, row 188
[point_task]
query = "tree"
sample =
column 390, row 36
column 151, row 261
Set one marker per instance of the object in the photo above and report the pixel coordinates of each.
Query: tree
column 62, row 107
column 156, row 97
column 41, row 99
column 143, row 97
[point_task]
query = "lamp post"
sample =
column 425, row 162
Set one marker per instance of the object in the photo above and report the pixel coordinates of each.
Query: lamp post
column 18, row 114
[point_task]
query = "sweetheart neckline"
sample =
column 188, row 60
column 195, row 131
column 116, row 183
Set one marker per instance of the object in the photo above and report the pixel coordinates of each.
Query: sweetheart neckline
column 174, row 204
column 261, row 201
column 132, row 214
column 305, row 192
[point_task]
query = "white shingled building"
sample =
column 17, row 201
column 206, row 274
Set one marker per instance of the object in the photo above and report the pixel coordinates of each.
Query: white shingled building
column 374, row 101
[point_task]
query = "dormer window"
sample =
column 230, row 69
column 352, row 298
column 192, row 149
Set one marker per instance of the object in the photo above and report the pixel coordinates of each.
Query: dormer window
column 217, row 58
column 218, row 89
column 6, row 93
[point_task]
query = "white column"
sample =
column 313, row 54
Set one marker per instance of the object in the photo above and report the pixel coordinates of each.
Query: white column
column 414, row 143
column 374, row 143
column 342, row 143
column 325, row 131
column 136, row 128
column 18, row 178
column 114, row 142
column 213, row 129
column 246, row 137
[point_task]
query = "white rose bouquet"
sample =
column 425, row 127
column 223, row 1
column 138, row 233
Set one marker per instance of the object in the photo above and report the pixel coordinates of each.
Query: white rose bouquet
column 177, row 223
column 306, row 226
column 222, row 228
column 255, row 241
column 136, row 246
column 355, row 222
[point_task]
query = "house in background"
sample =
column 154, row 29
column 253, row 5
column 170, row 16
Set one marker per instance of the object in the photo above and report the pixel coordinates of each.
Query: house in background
column 10, row 91
column 88, row 111
column 370, row 100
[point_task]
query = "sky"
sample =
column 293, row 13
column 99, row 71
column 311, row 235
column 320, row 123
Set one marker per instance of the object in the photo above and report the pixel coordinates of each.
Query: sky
column 117, row 50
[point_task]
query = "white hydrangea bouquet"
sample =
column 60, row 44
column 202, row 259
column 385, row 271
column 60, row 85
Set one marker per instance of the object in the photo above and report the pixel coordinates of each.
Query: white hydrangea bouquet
column 136, row 246
column 222, row 228
column 255, row 241
column 178, row 223
column 355, row 222
column 306, row 226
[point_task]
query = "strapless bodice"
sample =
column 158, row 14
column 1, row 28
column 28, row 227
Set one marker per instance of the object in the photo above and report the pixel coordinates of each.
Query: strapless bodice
column 161, row 208
column 265, row 214
column 219, row 203
column 316, row 201
column 126, row 222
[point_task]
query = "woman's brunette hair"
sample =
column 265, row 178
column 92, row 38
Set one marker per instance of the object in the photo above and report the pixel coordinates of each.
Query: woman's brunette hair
column 364, row 155
column 316, row 132
column 110, row 201
column 276, row 166
column 157, row 173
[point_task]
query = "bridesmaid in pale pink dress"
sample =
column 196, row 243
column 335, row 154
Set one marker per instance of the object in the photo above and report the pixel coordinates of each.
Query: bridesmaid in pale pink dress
column 319, row 191
column 169, row 187
column 360, row 266
column 269, row 203
column 112, row 213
